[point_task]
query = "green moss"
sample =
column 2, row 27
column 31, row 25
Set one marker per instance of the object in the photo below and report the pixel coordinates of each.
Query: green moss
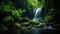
column 33, row 3
column 38, row 25
column 25, row 24
column 36, row 3
column 35, row 22
column 17, row 24
column 8, row 19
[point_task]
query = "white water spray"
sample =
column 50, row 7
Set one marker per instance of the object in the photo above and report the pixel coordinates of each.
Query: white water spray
column 37, row 13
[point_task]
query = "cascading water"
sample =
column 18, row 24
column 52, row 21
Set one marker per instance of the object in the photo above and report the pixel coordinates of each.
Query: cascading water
column 37, row 14
column 37, row 17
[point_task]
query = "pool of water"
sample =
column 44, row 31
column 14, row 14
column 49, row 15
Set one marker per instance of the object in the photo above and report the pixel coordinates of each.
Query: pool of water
column 43, row 31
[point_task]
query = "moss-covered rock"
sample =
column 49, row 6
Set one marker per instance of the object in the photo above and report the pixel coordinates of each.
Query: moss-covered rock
column 29, row 27
column 24, row 30
column 34, row 22
column 38, row 26
column 8, row 19
column 25, row 19
column 17, row 24
column 26, row 24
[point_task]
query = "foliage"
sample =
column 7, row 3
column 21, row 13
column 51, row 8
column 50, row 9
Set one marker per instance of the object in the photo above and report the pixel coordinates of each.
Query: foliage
column 36, row 3
column 51, row 12
column 6, row 6
column 17, row 13
column 42, row 3
column 33, row 3
column 47, row 18
column 49, row 15
column 8, row 18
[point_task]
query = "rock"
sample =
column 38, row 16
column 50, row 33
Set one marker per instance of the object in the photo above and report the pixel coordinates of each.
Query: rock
column 17, row 24
column 38, row 25
column 25, row 23
column 25, row 19
column 34, row 22
column 8, row 19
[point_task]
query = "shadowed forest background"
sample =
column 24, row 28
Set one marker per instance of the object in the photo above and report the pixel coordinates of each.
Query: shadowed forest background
column 16, row 15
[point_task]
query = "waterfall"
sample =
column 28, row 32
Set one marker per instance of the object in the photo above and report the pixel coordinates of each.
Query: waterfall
column 37, row 13
column 37, row 17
